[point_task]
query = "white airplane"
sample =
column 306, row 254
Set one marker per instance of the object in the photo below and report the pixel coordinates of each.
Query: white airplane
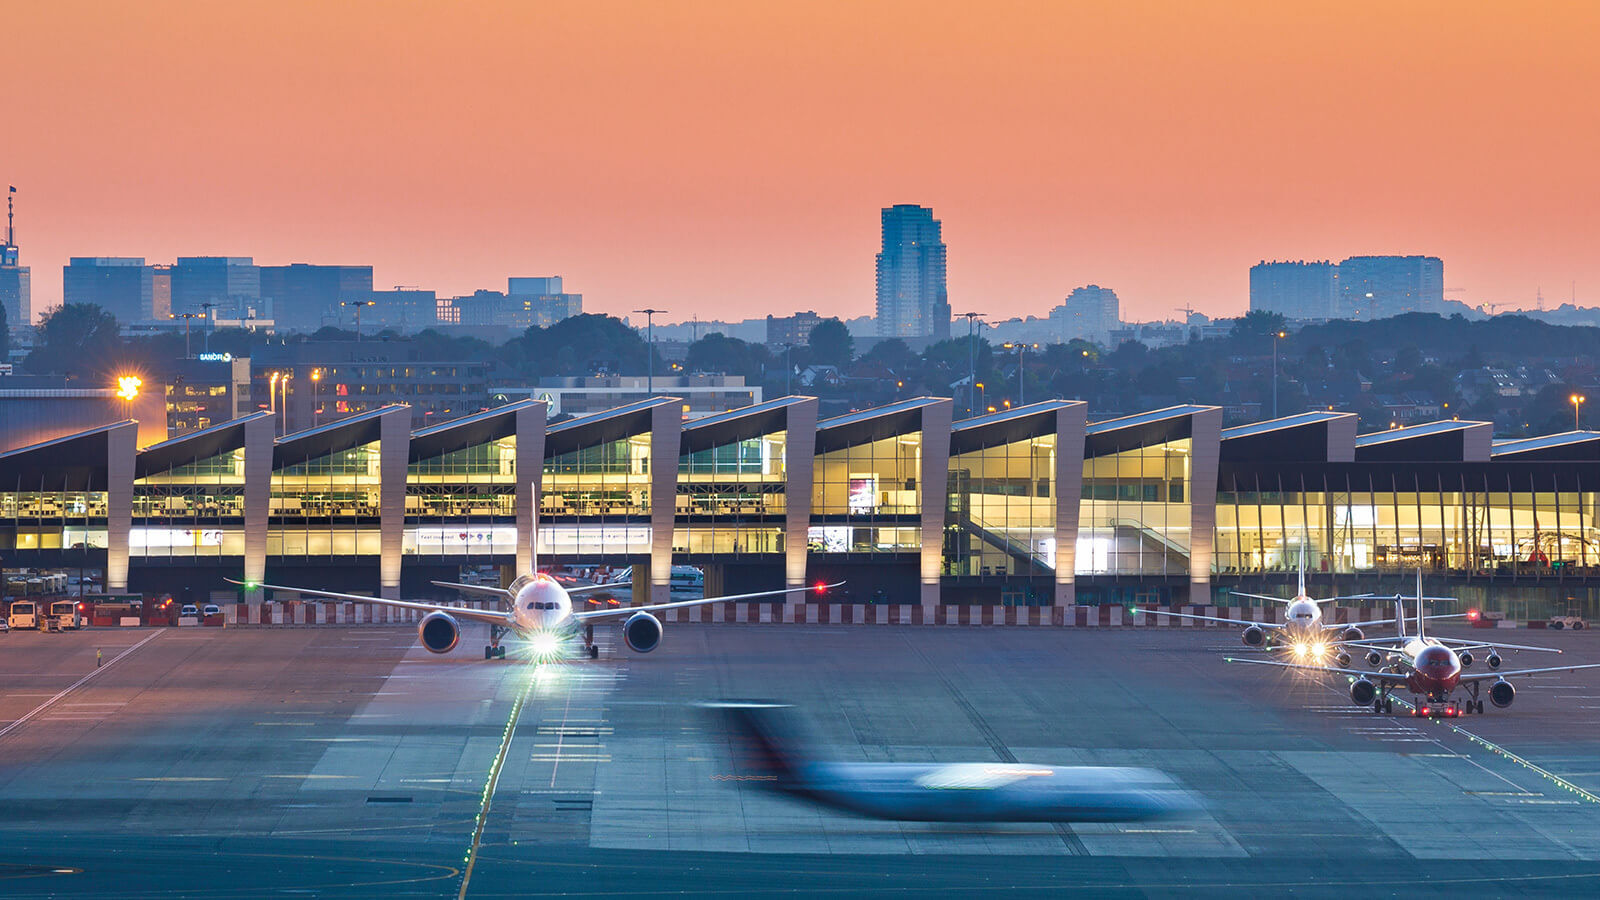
column 1432, row 674
column 1302, row 631
column 537, row 609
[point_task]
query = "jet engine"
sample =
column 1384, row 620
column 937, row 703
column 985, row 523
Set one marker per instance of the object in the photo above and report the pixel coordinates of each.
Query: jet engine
column 1466, row 658
column 438, row 632
column 1343, row 659
column 1354, row 634
column 642, row 632
column 1501, row 693
column 1254, row 636
column 1374, row 658
column 1493, row 660
column 1362, row 692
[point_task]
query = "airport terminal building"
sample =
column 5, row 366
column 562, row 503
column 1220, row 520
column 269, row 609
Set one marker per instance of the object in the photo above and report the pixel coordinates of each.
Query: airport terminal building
column 1032, row 507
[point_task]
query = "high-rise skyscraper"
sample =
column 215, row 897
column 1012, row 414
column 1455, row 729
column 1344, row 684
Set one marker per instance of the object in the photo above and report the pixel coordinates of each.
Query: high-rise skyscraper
column 1295, row 290
column 120, row 285
column 1377, row 287
column 912, row 299
column 16, row 283
column 1089, row 312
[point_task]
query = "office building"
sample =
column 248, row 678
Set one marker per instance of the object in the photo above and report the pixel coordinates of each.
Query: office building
column 1305, row 291
column 1378, row 287
column 332, row 380
column 123, row 286
column 794, row 330
column 913, row 302
column 304, row 297
column 1089, row 313
column 527, row 303
column 405, row 310
column 229, row 285
column 207, row 390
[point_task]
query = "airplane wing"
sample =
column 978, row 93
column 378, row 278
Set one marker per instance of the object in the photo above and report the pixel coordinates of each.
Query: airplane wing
column 1261, row 597
column 1391, row 621
column 615, row 611
column 1485, row 676
column 491, row 617
column 1460, row 644
column 1160, row 612
column 1380, row 676
column 485, row 590
column 588, row 588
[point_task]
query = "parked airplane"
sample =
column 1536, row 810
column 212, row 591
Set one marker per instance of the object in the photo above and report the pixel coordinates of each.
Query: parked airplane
column 538, row 609
column 1432, row 674
column 771, row 754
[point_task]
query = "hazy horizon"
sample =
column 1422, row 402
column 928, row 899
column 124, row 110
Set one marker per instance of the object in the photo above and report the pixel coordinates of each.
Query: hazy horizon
column 729, row 160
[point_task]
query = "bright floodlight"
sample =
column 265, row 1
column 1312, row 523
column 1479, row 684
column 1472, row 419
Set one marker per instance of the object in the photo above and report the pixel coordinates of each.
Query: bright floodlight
column 128, row 386
column 545, row 644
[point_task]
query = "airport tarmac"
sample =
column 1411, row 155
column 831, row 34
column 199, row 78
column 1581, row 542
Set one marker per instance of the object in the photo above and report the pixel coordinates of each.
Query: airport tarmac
column 349, row 762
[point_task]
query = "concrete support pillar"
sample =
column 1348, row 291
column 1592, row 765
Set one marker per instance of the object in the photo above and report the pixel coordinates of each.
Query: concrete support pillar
column 1206, row 452
column 258, row 437
column 1070, row 424
column 121, row 453
column 530, row 472
column 799, row 467
column 394, row 456
column 934, row 481
column 666, row 438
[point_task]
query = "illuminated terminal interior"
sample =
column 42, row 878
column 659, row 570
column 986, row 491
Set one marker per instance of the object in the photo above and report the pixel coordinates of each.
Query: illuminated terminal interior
column 1035, row 506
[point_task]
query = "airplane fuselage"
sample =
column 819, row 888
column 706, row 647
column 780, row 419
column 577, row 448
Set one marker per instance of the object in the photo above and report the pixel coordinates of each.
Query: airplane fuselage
column 539, row 605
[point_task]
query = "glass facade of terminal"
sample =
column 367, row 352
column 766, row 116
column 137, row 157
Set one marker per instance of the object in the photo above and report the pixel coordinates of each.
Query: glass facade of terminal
column 596, row 500
column 326, row 506
column 1382, row 521
column 1001, row 516
column 463, row 503
column 45, row 516
column 1134, row 514
column 731, row 498
column 866, row 498
column 191, row 509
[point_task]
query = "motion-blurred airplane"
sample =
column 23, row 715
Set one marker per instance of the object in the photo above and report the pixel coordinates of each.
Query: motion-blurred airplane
column 537, row 609
column 771, row 754
column 1431, row 670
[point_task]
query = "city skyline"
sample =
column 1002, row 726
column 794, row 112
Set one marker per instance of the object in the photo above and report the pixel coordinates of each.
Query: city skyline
column 436, row 156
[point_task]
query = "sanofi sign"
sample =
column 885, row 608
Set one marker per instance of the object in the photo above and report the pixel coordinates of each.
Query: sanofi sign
column 215, row 357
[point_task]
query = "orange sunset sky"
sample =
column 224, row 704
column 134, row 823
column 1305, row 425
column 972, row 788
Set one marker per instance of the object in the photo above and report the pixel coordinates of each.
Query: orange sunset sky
column 730, row 159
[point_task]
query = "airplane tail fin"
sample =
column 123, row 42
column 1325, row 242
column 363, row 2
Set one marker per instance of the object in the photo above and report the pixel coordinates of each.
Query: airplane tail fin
column 767, row 742
column 1301, row 592
column 1421, row 619
column 1400, row 617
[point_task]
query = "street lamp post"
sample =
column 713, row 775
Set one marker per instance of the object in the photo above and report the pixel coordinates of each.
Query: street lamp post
column 1022, row 350
column 358, row 304
column 205, row 313
column 972, row 357
column 1276, row 336
column 788, row 372
column 186, row 317
column 981, row 395
column 1577, row 403
column 284, row 384
column 650, row 332
column 316, row 410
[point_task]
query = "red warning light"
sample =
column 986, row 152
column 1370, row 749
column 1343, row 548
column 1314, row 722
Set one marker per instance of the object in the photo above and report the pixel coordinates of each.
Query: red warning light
column 822, row 588
column 1472, row 615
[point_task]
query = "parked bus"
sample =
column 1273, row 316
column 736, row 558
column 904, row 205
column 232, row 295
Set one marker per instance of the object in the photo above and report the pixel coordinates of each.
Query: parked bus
column 67, row 613
column 24, row 614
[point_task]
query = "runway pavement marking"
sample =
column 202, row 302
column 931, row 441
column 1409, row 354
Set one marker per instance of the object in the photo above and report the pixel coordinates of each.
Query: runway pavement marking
column 18, row 723
column 494, row 780
column 561, row 737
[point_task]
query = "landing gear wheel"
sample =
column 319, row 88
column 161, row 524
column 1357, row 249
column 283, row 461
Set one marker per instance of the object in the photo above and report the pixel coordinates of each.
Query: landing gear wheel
column 1377, row 706
column 1479, row 704
column 488, row 652
column 1466, row 708
column 500, row 653
column 1388, row 705
column 594, row 652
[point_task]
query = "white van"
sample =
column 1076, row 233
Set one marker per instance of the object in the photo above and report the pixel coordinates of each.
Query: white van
column 24, row 614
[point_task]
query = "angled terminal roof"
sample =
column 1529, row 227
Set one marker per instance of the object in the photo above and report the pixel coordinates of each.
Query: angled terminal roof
column 1316, row 436
column 1141, row 429
column 1007, row 426
column 220, row 438
column 603, row 427
column 1568, row 446
column 468, row 431
column 73, row 462
column 867, row 425
column 352, row 431
column 739, row 424
column 1447, row 441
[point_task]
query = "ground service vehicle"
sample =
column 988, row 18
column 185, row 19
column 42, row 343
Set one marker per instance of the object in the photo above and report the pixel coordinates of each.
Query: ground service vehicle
column 24, row 614
column 67, row 613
